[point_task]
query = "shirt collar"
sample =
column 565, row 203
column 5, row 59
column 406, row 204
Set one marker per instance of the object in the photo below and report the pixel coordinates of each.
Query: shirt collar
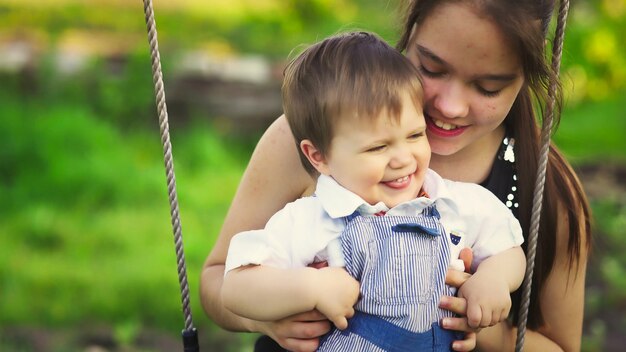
column 435, row 186
column 339, row 202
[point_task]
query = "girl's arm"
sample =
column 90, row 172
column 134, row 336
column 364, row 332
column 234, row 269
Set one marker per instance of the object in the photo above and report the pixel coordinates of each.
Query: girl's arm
column 273, row 178
column 562, row 305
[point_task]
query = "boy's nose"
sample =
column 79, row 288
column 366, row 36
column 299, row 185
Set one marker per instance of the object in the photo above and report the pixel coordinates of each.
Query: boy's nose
column 402, row 157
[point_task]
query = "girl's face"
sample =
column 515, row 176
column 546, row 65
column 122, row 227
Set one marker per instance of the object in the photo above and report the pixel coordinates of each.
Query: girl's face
column 471, row 76
column 383, row 160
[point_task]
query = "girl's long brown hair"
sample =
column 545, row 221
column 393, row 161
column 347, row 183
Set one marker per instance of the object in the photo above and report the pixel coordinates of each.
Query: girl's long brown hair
column 563, row 190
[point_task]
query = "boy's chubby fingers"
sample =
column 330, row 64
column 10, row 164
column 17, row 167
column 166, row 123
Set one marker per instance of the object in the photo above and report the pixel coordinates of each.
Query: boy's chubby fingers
column 341, row 323
column 350, row 313
column 475, row 318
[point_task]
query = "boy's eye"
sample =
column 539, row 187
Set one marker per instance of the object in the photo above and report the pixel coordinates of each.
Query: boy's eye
column 376, row 148
column 416, row 135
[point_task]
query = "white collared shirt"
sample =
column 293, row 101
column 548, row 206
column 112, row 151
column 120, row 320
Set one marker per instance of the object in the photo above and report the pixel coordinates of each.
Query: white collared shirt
column 308, row 229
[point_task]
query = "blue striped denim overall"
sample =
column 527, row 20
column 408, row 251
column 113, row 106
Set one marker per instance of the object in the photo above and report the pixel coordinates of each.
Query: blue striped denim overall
column 401, row 263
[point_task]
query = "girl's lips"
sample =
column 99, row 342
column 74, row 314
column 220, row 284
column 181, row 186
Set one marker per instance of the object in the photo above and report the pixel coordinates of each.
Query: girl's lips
column 439, row 131
column 400, row 183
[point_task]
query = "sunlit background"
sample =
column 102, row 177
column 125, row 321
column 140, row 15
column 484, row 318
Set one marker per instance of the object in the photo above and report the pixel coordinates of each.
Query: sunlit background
column 87, row 257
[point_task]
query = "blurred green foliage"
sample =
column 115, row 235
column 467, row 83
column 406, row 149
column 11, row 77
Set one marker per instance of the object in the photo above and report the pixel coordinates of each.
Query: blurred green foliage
column 84, row 220
column 593, row 131
column 606, row 287
column 595, row 55
column 232, row 26
column 594, row 63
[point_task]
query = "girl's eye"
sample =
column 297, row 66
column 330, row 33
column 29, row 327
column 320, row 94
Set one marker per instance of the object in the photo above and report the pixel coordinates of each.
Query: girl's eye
column 488, row 93
column 423, row 70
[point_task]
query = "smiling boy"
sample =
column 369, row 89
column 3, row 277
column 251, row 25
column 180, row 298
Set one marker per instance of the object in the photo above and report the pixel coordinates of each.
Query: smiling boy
column 379, row 214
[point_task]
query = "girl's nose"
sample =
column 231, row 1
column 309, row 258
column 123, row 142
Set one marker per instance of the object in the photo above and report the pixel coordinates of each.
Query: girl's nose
column 451, row 100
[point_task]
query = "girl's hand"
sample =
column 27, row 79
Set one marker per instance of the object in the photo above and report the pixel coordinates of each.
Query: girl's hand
column 299, row 332
column 458, row 305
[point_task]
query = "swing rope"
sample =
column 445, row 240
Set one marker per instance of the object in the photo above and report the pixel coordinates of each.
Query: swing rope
column 546, row 131
column 189, row 334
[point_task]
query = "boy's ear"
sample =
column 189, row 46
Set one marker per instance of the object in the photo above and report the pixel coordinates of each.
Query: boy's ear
column 315, row 156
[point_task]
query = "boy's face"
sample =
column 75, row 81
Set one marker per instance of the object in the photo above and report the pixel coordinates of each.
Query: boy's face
column 382, row 159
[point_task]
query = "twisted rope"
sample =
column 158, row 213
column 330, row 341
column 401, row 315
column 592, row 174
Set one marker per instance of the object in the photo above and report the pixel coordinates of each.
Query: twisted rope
column 546, row 131
column 157, row 77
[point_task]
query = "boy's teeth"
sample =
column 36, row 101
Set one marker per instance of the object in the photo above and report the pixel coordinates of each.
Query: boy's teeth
column 444, row 125
column 402, row 179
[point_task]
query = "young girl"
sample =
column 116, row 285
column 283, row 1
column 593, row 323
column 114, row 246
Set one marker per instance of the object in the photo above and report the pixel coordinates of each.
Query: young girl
column 482, row 63
column 354, row 106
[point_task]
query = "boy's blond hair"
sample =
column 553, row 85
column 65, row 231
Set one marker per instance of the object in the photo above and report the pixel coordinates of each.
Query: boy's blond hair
column 351, row 75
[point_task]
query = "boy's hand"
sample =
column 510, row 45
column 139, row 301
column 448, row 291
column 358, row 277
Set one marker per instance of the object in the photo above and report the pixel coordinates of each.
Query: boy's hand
column 488, row 300
column 337, row 294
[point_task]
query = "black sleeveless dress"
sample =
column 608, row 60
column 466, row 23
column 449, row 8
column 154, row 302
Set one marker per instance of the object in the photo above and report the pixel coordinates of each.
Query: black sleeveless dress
column 502, row 180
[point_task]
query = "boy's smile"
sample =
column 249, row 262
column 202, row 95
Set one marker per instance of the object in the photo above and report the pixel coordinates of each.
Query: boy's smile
column 400, row 183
